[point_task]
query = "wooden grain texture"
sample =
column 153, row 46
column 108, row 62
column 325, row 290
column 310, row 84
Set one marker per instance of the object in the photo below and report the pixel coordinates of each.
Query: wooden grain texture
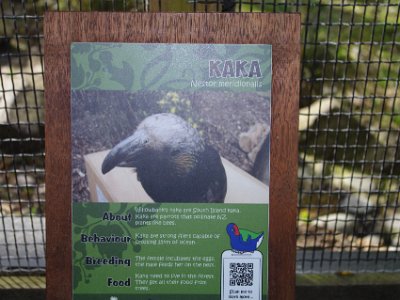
column 280, row 30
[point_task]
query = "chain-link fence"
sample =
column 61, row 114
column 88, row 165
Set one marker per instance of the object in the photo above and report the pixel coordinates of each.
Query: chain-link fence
column 349, row 158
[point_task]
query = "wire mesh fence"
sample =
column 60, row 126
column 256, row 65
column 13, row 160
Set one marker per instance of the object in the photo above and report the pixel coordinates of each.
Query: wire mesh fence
column 349, row 132
column 22, row 187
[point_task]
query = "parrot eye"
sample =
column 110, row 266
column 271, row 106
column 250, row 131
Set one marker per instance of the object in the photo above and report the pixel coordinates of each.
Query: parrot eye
column 145, row 141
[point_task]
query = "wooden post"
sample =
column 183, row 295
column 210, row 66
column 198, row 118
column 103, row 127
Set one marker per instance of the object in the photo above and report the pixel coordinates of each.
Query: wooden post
column 282, row 31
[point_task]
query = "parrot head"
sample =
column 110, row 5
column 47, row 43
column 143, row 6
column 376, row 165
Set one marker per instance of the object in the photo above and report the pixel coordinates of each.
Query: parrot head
column 232, row 229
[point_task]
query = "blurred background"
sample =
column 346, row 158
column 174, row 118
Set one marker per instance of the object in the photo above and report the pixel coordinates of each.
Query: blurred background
column 348, row 233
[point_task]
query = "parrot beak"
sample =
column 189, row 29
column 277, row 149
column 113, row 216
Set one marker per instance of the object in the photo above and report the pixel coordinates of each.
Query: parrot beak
column 236, row 230
column 125, row 153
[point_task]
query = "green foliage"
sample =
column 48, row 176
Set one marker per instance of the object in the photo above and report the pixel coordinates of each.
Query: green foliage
column 173, row 103
column 356, row 42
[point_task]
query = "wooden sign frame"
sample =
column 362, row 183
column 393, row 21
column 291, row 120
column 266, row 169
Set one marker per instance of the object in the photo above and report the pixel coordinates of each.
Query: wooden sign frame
column 282, row 31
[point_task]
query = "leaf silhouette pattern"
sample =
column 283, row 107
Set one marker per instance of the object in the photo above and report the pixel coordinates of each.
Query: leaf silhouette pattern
column 79, row 74
column 138, row 67
column 156, row 69
column 88, row 219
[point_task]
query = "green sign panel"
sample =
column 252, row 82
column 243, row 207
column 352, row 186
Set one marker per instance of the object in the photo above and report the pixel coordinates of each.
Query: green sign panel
column 170, row 171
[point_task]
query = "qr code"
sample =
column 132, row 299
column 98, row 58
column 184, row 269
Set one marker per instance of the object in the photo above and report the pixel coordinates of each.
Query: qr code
column 241, row 274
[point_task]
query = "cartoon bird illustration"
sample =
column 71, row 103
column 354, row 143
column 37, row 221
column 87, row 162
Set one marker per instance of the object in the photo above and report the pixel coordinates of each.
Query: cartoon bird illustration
column 243, row 240
column 171, row 160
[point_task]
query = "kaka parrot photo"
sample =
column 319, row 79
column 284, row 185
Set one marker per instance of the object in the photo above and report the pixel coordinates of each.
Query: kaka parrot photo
column 171, row 160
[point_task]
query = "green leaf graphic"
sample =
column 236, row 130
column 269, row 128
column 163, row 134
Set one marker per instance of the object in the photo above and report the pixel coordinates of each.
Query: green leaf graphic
column 94, row 64
column 78, row 74
column 156, row 69
column 110, row 249
column 124, row 75
column 77, row 276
